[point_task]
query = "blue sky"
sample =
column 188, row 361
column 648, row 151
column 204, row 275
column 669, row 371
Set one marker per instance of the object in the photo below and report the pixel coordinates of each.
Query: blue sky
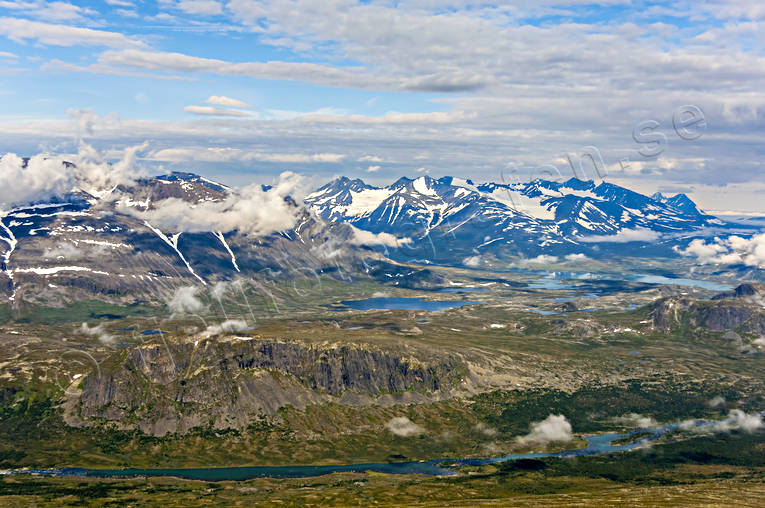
column 241, row 90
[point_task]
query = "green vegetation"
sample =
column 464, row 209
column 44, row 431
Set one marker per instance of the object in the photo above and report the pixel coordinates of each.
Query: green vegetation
column 77, row 312
column 695, row 472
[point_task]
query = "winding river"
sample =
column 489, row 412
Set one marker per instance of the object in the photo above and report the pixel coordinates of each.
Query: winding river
column 596, row 445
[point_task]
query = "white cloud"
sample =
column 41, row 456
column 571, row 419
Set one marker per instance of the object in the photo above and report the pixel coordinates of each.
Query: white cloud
column 276, row 70
column 208, row 7
column 373, row 169
column 636, row 420
column 362, row 237
column 127, row 13
column 97, row 331
column 542, row 259
column 404, row 427
column 185, row 300
column 576, row 257
column 230, row 325
column 222, row 100
column 736, row 420
column 534, row 90
column 623, row 236
column 472, row 261
column 40, row 179
column 63, row 35
column 739, row 420
column 552, row 428
column 45, row 176
column 717, row 401
column 211, row 111
column 729, row 251
column 212, row 154
column 249, row 210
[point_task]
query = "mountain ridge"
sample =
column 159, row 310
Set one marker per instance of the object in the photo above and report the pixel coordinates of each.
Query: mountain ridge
column 525, row 219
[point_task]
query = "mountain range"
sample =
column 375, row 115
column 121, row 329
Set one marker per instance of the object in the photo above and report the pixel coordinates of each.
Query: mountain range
column 107, row 243
column 449, row 219
column 74, row 246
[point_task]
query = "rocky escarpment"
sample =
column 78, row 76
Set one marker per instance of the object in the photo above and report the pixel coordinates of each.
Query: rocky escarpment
column 228, row 383
column 740, row 310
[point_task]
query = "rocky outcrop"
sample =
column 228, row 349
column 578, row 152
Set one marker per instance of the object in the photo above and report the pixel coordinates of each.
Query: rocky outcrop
column 722, row 314
column 228, row 383
column 744, row 291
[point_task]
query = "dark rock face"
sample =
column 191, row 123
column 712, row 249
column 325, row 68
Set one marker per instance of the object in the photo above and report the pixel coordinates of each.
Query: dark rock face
column 728, row 317
column 742, row 291
column 228, row 383
column 719, row 315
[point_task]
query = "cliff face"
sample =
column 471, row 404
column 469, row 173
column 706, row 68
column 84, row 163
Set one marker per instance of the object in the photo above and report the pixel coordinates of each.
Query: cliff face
column 741, row 309
column 228, row 383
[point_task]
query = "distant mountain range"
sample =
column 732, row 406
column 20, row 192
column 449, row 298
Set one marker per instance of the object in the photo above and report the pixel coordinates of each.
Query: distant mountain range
column 87, row 243
column 450, row 219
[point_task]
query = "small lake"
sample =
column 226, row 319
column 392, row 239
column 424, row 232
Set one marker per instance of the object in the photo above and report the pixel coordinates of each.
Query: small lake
column 391, row 303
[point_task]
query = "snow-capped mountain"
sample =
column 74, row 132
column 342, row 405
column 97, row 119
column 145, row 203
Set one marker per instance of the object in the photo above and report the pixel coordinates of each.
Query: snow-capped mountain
column 450, row 218
column 80, row 244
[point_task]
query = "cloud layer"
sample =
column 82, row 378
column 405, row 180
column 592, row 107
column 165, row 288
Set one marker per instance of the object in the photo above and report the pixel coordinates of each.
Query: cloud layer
column 552, row 428
column 734, row 250
column 251, row 210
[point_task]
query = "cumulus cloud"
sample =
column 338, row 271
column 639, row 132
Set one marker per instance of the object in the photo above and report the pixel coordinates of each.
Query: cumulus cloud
column 718, row 401
column 733, row 250
column 39, row 179
column 185, row 300
column 552, row 428
column 362, row 237
column 222, row 100
column 251, row 210
column 44, row 176
column 472, row 261
column 227, row 326
column 636, row 420
column 373, row 169
column 576, row 257
column 97, row 331
column 623, row 236
column 404, row 427
column 736, row 420
column 220, row 289
column 212, row 111
column 739, row 420
column 542, row 259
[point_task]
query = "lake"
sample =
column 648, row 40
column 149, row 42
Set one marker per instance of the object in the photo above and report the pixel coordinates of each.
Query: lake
column 392, row 303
